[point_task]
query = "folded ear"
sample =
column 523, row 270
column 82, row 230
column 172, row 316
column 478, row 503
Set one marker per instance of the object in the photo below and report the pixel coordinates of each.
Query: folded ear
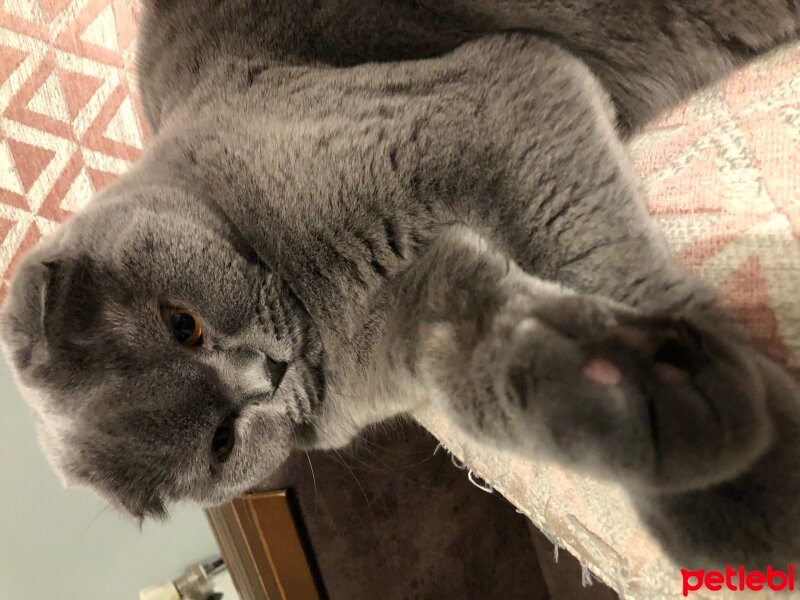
column 69, row 296
column 25, row 307
column 46, row 280
column 23, row 318
column 41, row 283
column 48, row 295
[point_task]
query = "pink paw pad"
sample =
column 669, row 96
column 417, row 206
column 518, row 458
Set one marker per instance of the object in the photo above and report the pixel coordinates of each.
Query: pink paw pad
column 603, row 372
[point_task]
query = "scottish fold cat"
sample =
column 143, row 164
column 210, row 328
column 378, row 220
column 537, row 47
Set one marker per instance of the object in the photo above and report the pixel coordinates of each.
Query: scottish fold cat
column 353, row 208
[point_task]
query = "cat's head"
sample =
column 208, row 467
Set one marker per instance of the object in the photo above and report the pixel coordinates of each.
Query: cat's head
column 161, row 359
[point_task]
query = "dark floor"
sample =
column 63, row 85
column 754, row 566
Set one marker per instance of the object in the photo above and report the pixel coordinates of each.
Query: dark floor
column 389, row 519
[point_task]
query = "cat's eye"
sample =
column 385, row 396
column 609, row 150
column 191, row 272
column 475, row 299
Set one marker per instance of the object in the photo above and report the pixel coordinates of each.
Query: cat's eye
column 224, row 440
column 185, row 327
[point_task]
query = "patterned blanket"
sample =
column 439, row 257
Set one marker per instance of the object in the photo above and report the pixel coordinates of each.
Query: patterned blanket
column 69, row 122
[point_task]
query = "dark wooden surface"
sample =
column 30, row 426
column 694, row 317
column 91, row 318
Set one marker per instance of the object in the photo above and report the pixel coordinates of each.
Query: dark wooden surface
column 261, row 544
column 391, row 520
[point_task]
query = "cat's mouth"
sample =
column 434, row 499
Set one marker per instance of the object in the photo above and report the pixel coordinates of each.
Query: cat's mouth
column 284, row 315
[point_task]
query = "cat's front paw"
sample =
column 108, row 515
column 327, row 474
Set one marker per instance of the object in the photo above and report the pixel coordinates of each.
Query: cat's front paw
column 661, row 401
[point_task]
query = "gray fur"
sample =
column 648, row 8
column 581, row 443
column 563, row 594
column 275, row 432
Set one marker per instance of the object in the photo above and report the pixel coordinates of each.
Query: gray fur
column 406, row 200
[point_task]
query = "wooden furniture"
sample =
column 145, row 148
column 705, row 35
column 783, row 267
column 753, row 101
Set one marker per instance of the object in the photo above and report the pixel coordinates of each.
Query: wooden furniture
column 261, row 540
column 392, row 518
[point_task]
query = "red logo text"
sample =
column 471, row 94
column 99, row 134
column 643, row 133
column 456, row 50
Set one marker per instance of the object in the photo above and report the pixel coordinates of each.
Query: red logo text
column 738, row 579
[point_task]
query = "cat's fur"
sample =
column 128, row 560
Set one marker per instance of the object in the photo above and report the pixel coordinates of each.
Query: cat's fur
column 410, row 201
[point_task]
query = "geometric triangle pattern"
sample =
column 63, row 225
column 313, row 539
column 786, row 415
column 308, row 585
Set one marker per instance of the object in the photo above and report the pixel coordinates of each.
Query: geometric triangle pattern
column 722, row 174
column 70, row 120
column 722, row 171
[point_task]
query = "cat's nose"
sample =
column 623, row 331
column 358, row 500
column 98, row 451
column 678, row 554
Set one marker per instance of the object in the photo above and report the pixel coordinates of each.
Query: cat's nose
column 276, row 369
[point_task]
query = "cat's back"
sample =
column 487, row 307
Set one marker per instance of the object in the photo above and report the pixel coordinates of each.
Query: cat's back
column 186, row 46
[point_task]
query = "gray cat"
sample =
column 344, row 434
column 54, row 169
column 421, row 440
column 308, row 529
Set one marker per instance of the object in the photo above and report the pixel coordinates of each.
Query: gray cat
column 354, row 207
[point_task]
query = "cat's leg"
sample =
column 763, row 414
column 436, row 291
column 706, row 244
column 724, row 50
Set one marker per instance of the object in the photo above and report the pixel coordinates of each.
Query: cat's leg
column 665, row 395
column 650, row 55
column 656, row 401
column 699, row 428
column 545, row 176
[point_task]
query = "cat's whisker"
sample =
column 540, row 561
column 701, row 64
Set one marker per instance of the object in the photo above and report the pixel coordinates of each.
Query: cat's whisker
column 313, row 480
column 343, row 462
column 68, row 551
column 313, row 475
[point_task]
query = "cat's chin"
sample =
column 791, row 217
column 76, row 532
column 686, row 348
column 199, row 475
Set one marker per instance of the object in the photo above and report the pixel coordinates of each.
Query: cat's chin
column 306, row 436
column 311, row 436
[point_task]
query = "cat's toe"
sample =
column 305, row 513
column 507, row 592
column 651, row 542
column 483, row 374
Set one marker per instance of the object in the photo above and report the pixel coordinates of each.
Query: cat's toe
column 602, row 371
column 672, row 347
column 703, row 399
column 660, row 400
